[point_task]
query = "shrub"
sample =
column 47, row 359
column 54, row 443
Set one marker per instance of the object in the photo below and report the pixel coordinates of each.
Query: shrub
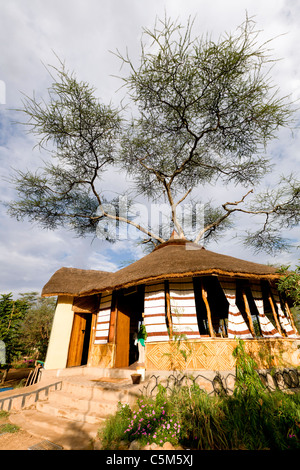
column 269, row 421
column 151, row 423
column 247, row 381
column 201, row 418
column 113, row 431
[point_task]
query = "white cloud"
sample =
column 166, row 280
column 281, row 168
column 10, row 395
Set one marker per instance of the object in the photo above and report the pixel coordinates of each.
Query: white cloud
column 82, row 32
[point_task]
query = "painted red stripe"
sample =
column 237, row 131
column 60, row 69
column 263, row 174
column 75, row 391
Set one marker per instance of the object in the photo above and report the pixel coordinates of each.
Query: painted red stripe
column 236, row 332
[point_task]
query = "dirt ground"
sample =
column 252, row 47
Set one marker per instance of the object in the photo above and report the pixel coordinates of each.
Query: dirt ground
column 19, row 440
column 15, row 376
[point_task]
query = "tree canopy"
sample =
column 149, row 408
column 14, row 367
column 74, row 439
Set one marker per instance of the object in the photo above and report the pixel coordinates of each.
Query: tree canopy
column 25, row 325
column 199, row 111
column 36, row 326
column 12, row 312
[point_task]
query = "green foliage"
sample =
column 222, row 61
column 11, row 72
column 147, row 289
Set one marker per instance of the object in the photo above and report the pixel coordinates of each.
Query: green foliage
column 195, row 420
column 35, row 329
column 7, row 427
column 268, row 421
column 202, row 112
column 201, row 418
column 250, row 419
column 114, row 430
column 153, row 422
column 25, row 325
column 142, row 334
column 205, row 105
column 247, row 382
column 289, row 284
column 150, row 421
column 12, row 313
column 81, row 133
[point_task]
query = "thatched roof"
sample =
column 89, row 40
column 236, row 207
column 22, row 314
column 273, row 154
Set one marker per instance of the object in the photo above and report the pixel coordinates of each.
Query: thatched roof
column 71, row 281
column 175, row 258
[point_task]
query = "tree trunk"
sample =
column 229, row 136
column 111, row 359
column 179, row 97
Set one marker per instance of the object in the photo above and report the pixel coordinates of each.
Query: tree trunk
column 5, row 373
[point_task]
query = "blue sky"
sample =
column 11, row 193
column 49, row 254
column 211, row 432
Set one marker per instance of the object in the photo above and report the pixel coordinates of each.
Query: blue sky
column 82, row 32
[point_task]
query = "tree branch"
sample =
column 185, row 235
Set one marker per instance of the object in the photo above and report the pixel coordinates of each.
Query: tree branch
column 130, row 222
column 223, row 217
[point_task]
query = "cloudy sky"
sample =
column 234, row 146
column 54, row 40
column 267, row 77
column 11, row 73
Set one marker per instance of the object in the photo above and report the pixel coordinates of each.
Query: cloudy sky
column 83, row 32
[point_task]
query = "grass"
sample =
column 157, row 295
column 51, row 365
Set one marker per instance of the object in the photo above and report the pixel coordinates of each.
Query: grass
column 7, row 427
column 251, row 419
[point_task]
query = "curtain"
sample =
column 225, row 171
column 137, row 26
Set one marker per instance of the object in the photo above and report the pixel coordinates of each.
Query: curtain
column 283, row 319
column 237, row 326
column 183, row 308
column 154, row 313
column 267, row 328
column 103, row 319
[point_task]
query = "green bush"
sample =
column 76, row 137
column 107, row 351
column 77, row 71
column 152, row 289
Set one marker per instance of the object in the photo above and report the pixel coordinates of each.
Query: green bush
column 153, row 421
column 269, row 421
column 114, row 430
column 201, row 418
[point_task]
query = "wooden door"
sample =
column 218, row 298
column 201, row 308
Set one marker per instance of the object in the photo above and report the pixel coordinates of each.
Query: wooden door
column 129, row 310
column 79, row 335
column 122, row 339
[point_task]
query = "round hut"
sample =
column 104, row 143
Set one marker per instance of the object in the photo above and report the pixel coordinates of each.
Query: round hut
column 193, row 303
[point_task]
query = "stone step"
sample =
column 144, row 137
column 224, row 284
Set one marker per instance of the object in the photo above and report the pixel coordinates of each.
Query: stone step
column 86, row 400
column 125, row 392
column 71, row 412
column 71, row 435
column 102, row 408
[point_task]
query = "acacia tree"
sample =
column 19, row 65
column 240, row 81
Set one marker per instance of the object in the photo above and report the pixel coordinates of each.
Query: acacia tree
column 202, row 112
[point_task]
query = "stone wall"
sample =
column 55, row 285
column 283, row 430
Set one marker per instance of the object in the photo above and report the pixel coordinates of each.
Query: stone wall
column 218, row 383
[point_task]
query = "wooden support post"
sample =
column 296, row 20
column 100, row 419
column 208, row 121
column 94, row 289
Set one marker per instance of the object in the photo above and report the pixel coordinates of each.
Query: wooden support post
column 275, row 315
column 290, row 316
column 168, row 306
column 204, row 297
column 247, row 308
column 92, row 337
column 112, row 325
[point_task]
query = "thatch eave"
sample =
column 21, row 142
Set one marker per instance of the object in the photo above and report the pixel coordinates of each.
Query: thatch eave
column 215, row 272
column 70, row 281
column 174, row 259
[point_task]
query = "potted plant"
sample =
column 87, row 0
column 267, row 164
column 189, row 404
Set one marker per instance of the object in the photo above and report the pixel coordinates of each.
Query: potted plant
column 141, row 338
column 142, row 334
